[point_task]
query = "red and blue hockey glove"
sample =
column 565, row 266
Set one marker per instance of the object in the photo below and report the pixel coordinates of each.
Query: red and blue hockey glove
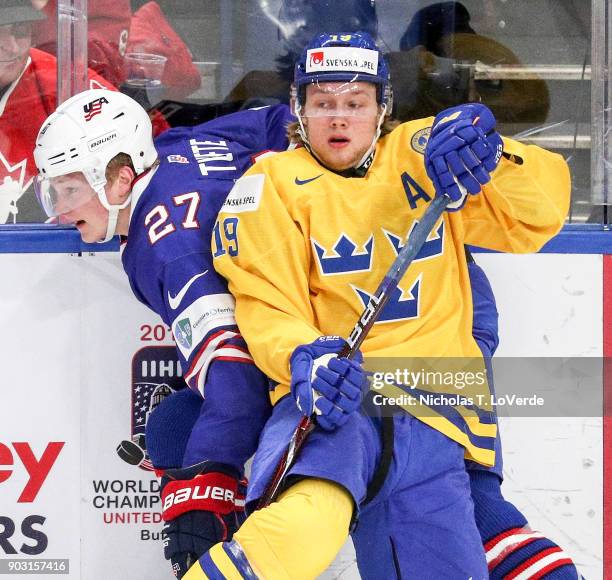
column 200, row 509
column 462, row 151
column 323, row 384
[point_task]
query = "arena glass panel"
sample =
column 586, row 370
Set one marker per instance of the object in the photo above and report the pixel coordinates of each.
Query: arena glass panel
column 540, row 68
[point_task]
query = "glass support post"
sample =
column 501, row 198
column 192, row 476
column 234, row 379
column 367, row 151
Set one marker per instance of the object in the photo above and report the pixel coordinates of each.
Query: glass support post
column 71, row 48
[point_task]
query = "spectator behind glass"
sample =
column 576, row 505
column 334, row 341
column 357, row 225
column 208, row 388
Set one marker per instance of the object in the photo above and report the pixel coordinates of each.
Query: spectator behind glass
column 113, row 31
column 150, row 32
column 298, row 22
column 432, row 71
column 28, row 95
column 108, row 23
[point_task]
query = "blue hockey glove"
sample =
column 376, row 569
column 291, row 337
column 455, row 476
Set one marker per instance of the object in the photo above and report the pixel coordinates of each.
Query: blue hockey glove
column 462, row 151
column 326, row 385
column 199, row 511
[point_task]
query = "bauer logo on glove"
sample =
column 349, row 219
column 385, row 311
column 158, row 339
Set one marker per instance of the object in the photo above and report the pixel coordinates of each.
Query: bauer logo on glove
column 199, row 511
column 463, row 150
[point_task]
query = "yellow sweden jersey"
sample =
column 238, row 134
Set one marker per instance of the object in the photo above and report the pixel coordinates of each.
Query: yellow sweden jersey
column 303, row 249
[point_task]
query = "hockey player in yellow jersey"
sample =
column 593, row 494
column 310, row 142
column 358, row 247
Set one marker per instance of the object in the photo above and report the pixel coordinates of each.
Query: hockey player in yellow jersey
column 304, row 239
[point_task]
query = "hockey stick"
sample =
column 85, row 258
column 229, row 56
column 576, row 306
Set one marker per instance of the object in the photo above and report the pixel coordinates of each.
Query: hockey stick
column 368, row 317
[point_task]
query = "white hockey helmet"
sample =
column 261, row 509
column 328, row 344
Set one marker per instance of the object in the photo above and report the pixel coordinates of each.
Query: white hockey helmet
column 82, row 136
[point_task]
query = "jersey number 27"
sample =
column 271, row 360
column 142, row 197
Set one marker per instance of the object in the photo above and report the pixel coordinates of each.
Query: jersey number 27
column 158, row 219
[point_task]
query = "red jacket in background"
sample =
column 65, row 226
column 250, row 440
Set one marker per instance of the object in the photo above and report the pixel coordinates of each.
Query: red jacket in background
column 23, row 107
column 112, row 30
column 107, row 36
column 151, row 32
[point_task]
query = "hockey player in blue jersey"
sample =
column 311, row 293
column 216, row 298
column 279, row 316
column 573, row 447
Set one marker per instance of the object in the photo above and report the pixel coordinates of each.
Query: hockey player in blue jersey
column 159, row 257
column 100, row 170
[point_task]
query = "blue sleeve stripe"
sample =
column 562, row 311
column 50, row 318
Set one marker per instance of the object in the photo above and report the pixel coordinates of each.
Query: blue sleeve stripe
column 454, row 416
column 210, row 568
column 239, row 559
column 447, row 410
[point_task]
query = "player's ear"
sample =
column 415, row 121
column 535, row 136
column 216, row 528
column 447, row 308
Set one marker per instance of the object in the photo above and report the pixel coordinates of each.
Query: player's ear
column 122, row 184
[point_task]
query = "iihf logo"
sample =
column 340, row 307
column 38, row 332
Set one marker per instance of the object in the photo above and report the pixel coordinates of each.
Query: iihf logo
column 156, row 374
column 93, row 108
column 344, row 257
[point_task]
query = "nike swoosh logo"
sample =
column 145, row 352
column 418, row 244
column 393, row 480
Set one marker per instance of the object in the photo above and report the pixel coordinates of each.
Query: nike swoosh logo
column 305, row 181
column 176, row 300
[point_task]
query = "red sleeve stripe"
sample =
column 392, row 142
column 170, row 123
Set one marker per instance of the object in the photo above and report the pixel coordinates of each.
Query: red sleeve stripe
column 508, row 546
column 233, row 352
column 209, row 345
column 239, row 359
column 511, row 532
column 197, row 372
column 540, row 564
column 228, row 353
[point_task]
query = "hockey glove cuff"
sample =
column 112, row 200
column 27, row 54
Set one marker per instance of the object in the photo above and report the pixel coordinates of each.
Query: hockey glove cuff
column 199, row 511
column 325, row 385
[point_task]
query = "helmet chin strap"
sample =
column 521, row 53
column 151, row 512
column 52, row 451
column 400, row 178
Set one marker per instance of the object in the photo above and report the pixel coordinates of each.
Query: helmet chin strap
column 302, row 130
column 364, row 163
column 113, row 213
column 365, row 160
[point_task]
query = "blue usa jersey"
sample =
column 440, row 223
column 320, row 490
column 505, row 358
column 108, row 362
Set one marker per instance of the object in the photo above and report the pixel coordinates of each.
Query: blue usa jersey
column 168, row 261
